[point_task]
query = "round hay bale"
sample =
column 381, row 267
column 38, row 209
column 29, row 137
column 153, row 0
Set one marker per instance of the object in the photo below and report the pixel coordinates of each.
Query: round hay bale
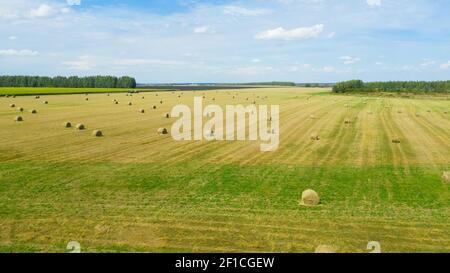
column 315, row 137
column 116, row 102
column 33, row 111
column 12, row 105
column 20, row 109
column 417, row 114
column 163, row 131
column 312, row 117
column 446, row 176
column 400, row 111
column 161, row 102
column 325, row 249
column 142, row 111
column 167, row 115
column 154, row 107
column 143, row 98
column 80, row 126
column 130, row 103
column 445, row 112
column 396, row 140
column 37, row 97
column 14, row 96
column 97, row 133
column 67, row 124
column 429, row 111
column 18, row 119
column 87, row 99
column 348, row 121
column 310, row 198
column 45, row 102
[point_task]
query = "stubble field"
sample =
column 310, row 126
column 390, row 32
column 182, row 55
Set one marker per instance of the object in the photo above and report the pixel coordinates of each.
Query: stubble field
column 135, row 190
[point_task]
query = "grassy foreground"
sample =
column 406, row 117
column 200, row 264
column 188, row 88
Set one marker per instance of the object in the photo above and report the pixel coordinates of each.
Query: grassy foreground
column 133, row 190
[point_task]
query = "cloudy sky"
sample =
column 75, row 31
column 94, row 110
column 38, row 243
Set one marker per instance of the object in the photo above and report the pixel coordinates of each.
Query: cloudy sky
column 227, row 40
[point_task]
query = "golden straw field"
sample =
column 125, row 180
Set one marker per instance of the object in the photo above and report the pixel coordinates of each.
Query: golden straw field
column 135, row 190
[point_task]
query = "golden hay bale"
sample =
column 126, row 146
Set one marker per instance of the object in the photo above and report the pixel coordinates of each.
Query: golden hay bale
column 12, row 105
column 86, row 99
column 116, row 102
column 130, row 103
column 37, row 97
column 161, row 102
column 142, row 111
column 400, row 111
column 33, row 111
column 97, row 133
column 45, row 102
column 312, row 117
column 20, row 109
column 417, row 114
column 315, row 137
column 18, row 119
column 154, row 107
column 163, row 131
column 310, row 198
column 348, row 121
column 67, row 124
column 429, row 111
column 396, row 140
column 143, row 98
column 325, row 249
column 167, row 115
column 446, row 112
column 81, row 126
column 446, row 176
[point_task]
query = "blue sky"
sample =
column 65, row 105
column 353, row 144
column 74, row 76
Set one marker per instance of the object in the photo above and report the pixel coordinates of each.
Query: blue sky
column 228, row 41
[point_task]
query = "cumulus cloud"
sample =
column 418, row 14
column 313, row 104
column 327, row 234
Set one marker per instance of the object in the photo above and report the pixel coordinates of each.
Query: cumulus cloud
column 43, row 11
column 18, row 53
column 300, row 33
column 236, row 10
column 374, row 2
column 348, row 60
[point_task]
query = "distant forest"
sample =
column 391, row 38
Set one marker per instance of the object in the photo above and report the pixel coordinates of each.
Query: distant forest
column 394, row 86
column 68, row 82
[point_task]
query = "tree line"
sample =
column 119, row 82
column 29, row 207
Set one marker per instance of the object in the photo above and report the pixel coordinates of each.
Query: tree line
column 393, row 86
column 69, row 82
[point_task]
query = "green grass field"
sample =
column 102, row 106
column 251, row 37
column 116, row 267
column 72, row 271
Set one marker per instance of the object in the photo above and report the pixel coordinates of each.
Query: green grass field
column 21, row 91
column 134, row 190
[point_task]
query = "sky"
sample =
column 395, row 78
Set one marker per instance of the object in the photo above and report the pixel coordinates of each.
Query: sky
column 180, row 41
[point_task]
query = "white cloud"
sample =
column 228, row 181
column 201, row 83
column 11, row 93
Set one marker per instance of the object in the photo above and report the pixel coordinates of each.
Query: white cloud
column 326, row 69
column 348, row 60
column 83, row 63
column 236, row 10
column 203, row 30
column 256, row 60
column 12, row 38
column 427, row 63
column 445, row 66
column 293, row 34
column 73, row 2
column 43, row 11
column 19, row 53
column 374, row 2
